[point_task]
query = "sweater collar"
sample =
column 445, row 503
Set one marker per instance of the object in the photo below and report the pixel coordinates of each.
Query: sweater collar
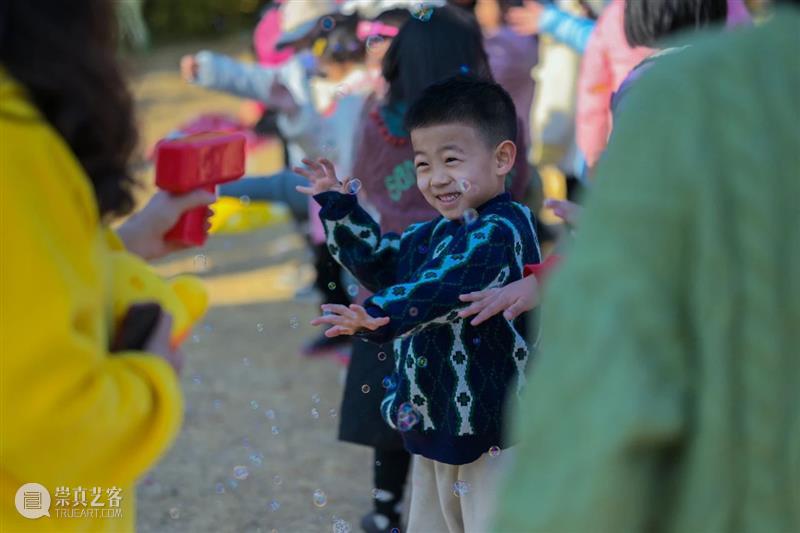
column 498, row 200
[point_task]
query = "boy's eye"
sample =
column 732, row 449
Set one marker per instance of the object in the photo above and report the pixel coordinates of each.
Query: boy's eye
column 450, row 160
column 421, row 164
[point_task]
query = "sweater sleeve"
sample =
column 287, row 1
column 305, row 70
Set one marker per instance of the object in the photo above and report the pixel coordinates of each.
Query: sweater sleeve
column 223, row 73
column 72, row 412
column 606, row 408
column 356, row 242
column 568, row 29
column 474, row 260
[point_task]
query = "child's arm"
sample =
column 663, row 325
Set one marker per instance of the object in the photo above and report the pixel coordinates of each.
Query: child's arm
column 353, row 237
column 222, row 73
column 432, row 297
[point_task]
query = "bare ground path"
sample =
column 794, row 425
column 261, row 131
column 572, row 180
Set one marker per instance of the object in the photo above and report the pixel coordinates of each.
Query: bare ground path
column 255, row 409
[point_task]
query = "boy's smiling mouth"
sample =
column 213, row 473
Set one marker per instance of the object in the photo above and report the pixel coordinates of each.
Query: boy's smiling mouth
column 448, row 199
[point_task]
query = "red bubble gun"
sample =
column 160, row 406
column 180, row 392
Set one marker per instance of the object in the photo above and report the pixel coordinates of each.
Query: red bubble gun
column 203, row 160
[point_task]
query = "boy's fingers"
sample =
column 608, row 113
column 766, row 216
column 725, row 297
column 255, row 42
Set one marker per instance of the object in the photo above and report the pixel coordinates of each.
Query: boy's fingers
column 472, row 309
column 304, row 190
column 330, row 170
column 376, row 323
column 335, row 331
column 474, row 296
column 339, row 310
column 492, row 308
column 334, row 320
column 516, row 309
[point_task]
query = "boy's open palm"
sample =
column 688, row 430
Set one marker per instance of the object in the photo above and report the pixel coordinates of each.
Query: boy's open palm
column 322, row 176
column 347, row 320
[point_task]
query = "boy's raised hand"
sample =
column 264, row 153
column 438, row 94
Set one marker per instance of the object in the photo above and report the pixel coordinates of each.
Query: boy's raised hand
column 347, row 320
column 322, row 175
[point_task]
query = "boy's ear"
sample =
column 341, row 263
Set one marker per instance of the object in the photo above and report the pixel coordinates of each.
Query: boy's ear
column 505, row 154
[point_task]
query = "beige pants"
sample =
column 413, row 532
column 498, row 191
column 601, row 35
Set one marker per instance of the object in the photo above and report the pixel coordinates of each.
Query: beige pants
column 435, row 507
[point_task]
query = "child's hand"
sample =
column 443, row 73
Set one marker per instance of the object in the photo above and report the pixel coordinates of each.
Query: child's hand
column 512, row 300
column 568, row 211
column 322, row 176
column 159, row 343
column 525, row 20
column 189, row 68
column 348, row 320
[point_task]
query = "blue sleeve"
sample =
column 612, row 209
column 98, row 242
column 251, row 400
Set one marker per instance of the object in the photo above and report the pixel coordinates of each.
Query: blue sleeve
column 473, row 260
column 355, row 241
column 222, row 73
column 568, row 29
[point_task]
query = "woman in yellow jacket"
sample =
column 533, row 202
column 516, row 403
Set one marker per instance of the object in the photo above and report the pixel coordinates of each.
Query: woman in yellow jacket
column 80, row 421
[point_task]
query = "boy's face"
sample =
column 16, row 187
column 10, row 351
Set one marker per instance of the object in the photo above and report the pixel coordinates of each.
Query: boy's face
column 456, row 169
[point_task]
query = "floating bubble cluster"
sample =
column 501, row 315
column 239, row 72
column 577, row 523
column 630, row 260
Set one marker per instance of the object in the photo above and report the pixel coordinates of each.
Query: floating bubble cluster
column 314, row 413
column 340, row 526
column 407, row 417
column 460, row 488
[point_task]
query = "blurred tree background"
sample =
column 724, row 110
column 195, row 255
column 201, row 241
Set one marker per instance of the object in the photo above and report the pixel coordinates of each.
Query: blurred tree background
column 144, row 22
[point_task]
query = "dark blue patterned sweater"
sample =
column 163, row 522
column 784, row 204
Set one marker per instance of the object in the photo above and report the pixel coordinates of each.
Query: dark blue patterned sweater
column 455, row 375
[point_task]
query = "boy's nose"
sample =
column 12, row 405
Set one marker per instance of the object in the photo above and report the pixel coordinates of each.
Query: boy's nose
column 440, row 179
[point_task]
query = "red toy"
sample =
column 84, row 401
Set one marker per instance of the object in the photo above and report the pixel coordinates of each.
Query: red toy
column 203, row 160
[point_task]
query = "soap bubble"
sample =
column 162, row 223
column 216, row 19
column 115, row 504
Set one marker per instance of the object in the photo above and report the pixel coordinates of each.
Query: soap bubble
column 270, row 414
column 275, row 430
column 382, row 495
column 352, row 290
column 217, row 404
column 246, row 361
column 413, row 311
column 240, row 472
column 333, row 413
column 232, row 483
column 373, row 41
column 388, row 382
column 245, row 200
column 422, row 12
column 196, row 339
column 422, row 362
column 197, row 380
column 394, row 530
column 407, row 417
column 353, row 186
column 464, row 186
column 460, row 488
column 320, row 498
column 464, row 69
column 260, row 327
column 315, row 398
column 314, row 413
column 200, row 263
column 340, row 526
column 276, row 480
column 470, row 216
column 381, row 356
column 174, row 513
column 253, row 405
column 257, row 458
column 219, row 488
column 494, row 451
column 294, row 323
column 274, row 505
column 328, row 23
column 365, row 388
column 331, row 286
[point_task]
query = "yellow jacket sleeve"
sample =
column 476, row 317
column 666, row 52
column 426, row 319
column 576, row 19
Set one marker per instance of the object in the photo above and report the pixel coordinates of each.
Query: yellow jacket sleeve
column 72, row 413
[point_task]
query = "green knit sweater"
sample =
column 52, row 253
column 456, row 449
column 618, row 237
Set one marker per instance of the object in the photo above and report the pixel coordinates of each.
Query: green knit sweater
column 667, row 394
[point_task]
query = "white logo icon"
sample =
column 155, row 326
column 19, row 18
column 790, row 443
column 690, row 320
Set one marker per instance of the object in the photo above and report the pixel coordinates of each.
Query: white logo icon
column 33, row 501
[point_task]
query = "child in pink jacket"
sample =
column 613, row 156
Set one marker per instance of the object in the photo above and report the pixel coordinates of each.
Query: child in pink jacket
column 606, row 62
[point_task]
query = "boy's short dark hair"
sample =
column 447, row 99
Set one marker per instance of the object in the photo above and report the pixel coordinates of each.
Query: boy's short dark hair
column 480, row 103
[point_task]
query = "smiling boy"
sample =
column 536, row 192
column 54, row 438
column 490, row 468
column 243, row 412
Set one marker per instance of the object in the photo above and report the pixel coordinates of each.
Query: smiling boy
column 447, row 395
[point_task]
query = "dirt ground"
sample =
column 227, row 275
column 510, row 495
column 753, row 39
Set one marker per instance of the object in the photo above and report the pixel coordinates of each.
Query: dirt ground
column 255, row 409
